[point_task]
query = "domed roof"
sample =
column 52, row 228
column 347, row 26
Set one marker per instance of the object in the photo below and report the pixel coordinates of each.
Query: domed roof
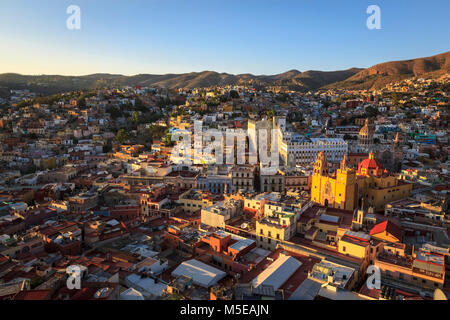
column 365, row 130
column 370, row 164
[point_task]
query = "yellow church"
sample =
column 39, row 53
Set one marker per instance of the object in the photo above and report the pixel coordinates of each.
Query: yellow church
column 347, row 187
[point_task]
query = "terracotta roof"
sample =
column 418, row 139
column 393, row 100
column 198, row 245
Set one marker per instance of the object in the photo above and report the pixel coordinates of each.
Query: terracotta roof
column 3, row 258
column 370, row 164
column 387, row 226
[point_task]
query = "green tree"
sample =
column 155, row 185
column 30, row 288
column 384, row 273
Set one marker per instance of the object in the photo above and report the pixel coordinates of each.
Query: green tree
column 271, row 113
column 396, row 97
column 135, row 117
column 168, row 140
column 121, row 136
column 157, row 132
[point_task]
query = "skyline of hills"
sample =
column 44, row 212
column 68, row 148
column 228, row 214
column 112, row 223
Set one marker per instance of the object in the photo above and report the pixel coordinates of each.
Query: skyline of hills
column 374, row 77
column 381, row 74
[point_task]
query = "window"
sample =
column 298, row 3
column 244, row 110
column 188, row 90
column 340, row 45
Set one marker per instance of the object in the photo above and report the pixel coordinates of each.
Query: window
column 343, row 249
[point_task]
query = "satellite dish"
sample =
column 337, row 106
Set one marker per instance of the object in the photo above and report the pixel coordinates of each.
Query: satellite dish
column 439, row 295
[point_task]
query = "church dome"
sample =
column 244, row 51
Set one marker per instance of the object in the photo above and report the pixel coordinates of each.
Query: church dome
column 365, row 130
column 370, row 165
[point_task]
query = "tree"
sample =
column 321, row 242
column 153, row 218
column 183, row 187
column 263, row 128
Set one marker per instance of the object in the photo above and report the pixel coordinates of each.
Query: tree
column 371, row 112
column 32, row 136
column 234, row 94
column 121, row 136
column 271, row 113
column 282, row 97
column 135, row 117
column 347, row 137
column 168, row 140
column 139, row 105
column 82, row 103
column 150, row 117
column 297, row 117
column 326, row 104
column 107, row 148
column 114, row 112
column 157, row 132
column 396, row 96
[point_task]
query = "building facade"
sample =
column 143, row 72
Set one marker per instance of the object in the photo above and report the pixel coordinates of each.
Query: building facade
column 348, row 187
column 296, row 150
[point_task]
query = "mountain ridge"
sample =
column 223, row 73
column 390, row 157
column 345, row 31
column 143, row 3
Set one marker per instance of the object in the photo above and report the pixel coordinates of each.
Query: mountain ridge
column 374, row 77
column 379, row 75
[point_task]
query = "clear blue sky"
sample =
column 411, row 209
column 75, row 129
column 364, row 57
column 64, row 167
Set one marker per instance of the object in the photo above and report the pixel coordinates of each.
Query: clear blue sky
column 234, row 36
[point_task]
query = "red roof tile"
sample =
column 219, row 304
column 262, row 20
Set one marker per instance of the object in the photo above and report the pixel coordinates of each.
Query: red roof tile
column 387, row 226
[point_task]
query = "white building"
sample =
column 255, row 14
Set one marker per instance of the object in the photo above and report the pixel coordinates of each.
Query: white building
column 296, row 149
column 148, row 287
column 201, row 274
column 278, row 272
column 219, row 214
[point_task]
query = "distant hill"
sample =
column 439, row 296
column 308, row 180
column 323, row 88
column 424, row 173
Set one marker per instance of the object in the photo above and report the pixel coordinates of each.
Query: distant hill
column 374, row 77
column 380, row 75
column 50, row 84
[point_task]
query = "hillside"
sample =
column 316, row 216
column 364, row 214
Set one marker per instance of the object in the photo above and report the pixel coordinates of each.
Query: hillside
column 372, row 78
column 49, row 84
column 380, row 75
